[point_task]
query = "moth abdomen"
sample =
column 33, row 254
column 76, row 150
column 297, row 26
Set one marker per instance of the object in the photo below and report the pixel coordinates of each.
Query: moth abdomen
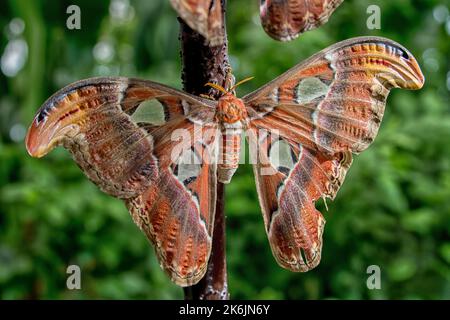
column 229, row 154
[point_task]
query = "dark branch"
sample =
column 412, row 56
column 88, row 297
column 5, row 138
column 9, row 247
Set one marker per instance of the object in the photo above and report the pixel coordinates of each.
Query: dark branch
column 202, row 64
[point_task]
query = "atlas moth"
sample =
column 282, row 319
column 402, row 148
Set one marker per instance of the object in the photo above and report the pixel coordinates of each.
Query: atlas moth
column 120, row 132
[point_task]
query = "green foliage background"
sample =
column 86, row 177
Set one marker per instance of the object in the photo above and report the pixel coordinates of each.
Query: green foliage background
column 392, row 211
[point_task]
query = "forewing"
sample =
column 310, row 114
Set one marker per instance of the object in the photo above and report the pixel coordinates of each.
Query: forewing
column 203, row 16
column 285, row 20
column 322, row 111
column 334, row 101
column 126, row 135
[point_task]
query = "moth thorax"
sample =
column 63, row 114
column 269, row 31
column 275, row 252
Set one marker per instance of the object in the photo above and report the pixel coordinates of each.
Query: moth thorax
column 229, row 154
column 230, row 109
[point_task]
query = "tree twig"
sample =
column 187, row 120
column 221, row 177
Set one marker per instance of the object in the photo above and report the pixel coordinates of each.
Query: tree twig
column 201, row 64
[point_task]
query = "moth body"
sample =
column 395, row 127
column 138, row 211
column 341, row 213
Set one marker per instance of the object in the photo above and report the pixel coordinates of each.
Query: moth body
column 232, row 117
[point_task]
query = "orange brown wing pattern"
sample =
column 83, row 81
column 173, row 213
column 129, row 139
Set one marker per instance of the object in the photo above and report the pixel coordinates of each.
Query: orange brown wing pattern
column 176, row 212
column 203, row 16
column 321, row 111
column 119, row 132
column 285, row 20
column 289, row 180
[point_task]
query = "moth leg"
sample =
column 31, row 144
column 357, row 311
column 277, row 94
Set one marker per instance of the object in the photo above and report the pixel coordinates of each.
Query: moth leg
column 207, row 96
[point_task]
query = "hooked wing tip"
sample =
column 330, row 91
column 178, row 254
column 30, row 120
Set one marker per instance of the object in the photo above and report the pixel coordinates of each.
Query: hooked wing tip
column 408, row 74
column 32, row 144
column 41, row 138
column 414, row 79
column 419, row 80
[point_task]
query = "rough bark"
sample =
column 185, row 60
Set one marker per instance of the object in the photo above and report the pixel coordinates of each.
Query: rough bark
column 201, row 64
